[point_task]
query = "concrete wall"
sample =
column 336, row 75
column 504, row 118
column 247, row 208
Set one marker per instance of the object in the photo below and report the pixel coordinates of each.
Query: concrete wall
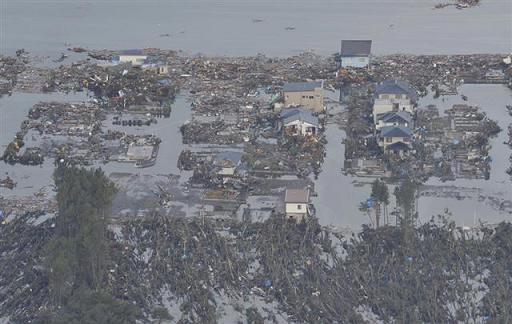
column 357, row 62
column 309, row 99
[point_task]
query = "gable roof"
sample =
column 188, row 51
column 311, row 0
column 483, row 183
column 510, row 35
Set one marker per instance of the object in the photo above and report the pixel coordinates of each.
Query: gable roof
column 302, row 86
column 395, row 117
column 395, row 131
column 356, row 47
column 132, row 52
column 396, row 87
column 398, row 146
column 296, row 196
column 303, row 114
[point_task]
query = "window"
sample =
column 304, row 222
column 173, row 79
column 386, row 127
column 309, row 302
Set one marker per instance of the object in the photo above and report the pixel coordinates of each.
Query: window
column 389, row 139
column 299, row 207
column 311, row 97
column 384, row 96
column 362, row 60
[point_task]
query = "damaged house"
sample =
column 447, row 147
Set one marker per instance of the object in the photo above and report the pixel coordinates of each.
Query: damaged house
column 298, row 122
column 228, row 165
column 305, row 94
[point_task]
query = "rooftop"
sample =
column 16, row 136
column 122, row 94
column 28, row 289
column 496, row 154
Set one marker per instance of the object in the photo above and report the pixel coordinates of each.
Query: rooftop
column 395, row 131
column 396, row 87
column 356, row 47
column 303, row 114
column 131, row 52
column 397, row 116
column 302, row 86
column 398, row 146
column 296, row 196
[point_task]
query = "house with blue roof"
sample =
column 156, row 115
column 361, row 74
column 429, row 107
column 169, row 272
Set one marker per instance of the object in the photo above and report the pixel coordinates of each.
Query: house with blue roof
column 394, row 96
column 391, row 136
column 394, row 118
column 299, row 122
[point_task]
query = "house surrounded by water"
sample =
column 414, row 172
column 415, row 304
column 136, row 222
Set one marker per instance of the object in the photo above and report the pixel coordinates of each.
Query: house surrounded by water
column 135, row 57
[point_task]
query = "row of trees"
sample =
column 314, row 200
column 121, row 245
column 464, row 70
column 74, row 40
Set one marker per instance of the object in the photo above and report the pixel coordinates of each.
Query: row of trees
column 377, row 204
column 78, row 255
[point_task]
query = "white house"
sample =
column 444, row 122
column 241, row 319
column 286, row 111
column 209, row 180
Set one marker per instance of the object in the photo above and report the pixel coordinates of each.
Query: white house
column 296, row 204
column 134, row 57
column 355, row 53
column 299, row 121
column 394, row 96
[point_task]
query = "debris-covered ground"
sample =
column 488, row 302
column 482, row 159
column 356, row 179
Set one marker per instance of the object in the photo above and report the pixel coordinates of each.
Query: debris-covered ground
column 204, row 271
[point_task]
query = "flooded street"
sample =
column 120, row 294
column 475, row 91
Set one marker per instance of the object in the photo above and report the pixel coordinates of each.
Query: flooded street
column 465, row 201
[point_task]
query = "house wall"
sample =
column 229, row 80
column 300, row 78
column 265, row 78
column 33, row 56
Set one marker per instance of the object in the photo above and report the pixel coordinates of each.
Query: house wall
column 381, row 124
column 135, row 60
column 355, row 61
column 392, row 140
column 301, row 127
column 394, row 96
column 384, row 107
column 294, row 211
column 303, row 98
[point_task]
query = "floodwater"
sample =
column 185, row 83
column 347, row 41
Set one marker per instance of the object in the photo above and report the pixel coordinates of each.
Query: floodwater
column 13, row 110
column 168, row 130
column 247, row 27
column 339, row 195
column 30, row 179
column 492, row 99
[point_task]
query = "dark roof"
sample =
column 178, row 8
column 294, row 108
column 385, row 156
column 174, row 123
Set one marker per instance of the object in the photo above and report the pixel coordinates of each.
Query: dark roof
column 296, row 196
column 131, row 52
column 398, row 116
column 395, row 131
column 398, row 146
column 356, row 47
column 396, row 87
column 301, row 86
column 304, row 114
